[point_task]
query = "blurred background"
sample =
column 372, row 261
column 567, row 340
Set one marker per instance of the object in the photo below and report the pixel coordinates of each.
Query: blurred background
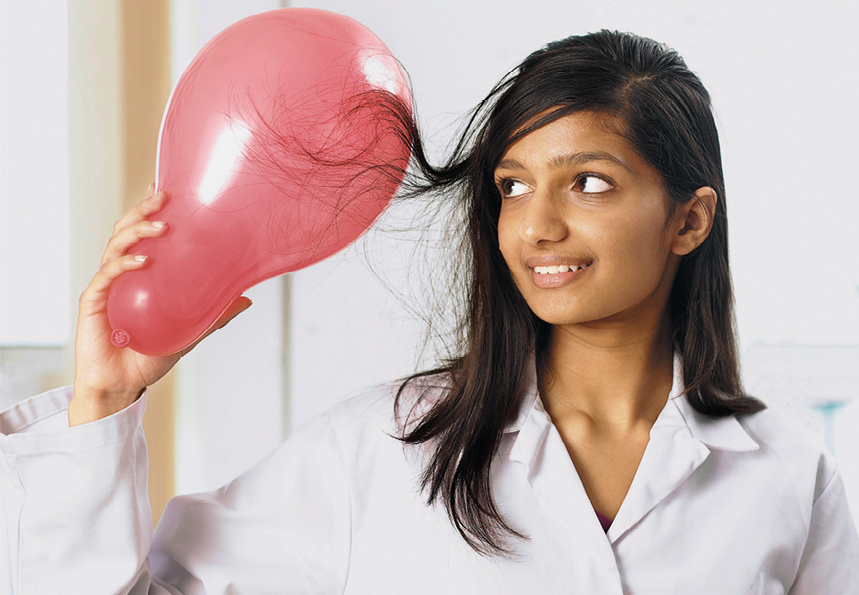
column 83, row 84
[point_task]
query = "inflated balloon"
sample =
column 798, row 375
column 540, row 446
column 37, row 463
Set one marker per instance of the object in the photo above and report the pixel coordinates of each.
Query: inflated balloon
column 283, row 141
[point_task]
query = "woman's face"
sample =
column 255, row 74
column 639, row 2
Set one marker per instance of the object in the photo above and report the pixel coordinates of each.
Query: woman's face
column 583, row 224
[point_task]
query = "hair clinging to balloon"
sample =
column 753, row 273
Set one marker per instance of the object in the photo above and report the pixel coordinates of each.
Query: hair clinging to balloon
column 339, row 177
column 664, row 112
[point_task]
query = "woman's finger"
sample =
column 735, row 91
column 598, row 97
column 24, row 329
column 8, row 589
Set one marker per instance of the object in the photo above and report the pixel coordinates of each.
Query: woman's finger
column 94, row 297
column 122, row 242
column 141, row 211
column 238, row 305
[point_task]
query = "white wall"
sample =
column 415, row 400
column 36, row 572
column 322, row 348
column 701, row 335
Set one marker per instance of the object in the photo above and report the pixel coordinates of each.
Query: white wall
column 34, row 174
column 62, row 71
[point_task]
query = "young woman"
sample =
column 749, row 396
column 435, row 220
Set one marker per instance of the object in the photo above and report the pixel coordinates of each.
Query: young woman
column 590, row 436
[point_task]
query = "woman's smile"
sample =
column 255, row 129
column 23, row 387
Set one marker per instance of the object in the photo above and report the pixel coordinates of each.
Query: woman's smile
column 556, row 275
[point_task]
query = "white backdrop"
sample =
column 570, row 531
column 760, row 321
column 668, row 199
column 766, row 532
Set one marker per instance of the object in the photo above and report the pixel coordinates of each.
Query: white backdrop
column 34, row 174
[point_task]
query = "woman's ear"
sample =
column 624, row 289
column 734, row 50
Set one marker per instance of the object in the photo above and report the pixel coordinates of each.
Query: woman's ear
column 695, row 220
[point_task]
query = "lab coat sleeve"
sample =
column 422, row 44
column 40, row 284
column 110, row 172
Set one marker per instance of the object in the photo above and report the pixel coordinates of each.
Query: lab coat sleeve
column 282, row 527
column 830, row 558
column 75, row 513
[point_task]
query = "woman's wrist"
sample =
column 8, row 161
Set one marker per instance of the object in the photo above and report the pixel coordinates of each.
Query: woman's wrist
column 88, row 405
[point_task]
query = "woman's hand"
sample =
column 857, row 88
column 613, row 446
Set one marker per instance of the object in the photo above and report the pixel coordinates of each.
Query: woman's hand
column 108, row 379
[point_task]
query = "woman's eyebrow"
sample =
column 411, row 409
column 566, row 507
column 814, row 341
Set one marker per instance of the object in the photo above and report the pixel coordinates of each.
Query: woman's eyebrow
column 509, row 164
column 567, row 159
column 583, row 157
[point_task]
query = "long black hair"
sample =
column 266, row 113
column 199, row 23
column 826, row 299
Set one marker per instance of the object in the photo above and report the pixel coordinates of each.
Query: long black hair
column 462, row 406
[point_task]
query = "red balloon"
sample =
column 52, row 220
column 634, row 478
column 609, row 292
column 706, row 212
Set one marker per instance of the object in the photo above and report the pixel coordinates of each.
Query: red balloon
column 282, row 142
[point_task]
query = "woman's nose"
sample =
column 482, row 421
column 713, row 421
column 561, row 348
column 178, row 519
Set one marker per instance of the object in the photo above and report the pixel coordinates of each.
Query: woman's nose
column 542, row 221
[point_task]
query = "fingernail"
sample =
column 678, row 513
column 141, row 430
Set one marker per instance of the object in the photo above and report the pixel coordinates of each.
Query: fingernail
column 140, row 257
column 158, row 224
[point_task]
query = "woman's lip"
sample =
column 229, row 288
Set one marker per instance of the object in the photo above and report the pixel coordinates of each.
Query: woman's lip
column 553, row 280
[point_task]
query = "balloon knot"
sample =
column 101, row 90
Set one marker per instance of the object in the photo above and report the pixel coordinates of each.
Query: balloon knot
column 120, row 339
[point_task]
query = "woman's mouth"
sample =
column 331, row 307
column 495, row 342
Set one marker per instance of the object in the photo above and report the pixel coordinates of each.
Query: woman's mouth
column 552, row 276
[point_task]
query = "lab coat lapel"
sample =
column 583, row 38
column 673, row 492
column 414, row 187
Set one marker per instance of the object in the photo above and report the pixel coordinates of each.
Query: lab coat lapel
column 570, row 520
column 680, row 440
column 672, row 454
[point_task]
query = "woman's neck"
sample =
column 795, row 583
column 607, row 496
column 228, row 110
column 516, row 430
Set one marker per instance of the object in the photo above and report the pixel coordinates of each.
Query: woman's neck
column 612, row 379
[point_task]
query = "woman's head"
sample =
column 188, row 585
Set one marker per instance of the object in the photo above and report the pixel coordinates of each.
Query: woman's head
column 651, row 114
column 642, row 91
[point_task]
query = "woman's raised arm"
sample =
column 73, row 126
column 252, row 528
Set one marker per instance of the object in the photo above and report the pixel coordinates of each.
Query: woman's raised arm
column 108, row 379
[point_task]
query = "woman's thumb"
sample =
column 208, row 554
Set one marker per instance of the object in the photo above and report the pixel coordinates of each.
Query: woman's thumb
column 239, row 305
column 236, row 307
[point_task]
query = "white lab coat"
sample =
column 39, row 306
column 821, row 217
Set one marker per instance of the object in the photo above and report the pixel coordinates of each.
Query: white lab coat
column 717, row 506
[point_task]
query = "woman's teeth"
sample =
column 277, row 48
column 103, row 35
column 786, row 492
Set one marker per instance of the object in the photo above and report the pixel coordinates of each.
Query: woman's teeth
column 561, row 268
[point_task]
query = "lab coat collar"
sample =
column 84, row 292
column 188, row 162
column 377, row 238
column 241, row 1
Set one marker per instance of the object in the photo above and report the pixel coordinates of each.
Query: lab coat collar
column 681, row 439
column 721, row 433
column 529, row 399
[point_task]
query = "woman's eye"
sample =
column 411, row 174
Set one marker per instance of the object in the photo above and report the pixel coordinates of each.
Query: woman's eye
column 513, row 188
column 591, row 184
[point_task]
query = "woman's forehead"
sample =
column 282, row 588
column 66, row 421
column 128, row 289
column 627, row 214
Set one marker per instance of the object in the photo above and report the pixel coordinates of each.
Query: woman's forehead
column 582, row 131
